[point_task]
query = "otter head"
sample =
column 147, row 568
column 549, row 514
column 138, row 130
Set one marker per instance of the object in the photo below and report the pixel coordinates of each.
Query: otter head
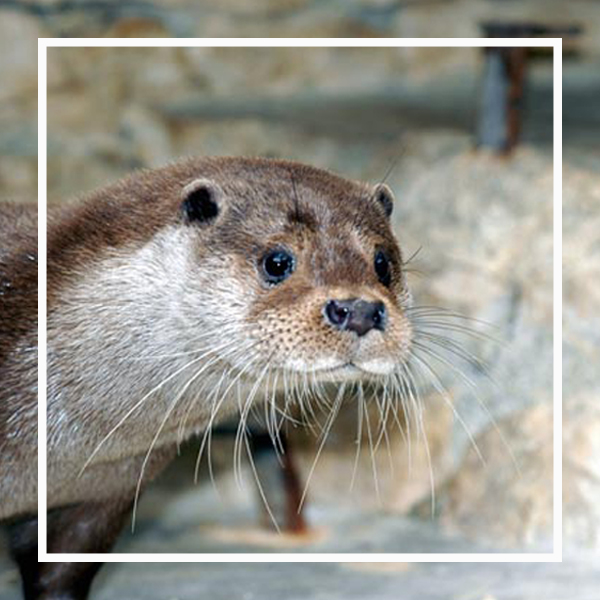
column 295, row 271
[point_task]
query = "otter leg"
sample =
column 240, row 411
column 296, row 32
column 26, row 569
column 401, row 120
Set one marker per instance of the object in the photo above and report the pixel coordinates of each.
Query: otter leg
column 86, row 527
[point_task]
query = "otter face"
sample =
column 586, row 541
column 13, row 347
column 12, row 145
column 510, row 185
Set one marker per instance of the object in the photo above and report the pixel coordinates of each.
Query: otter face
column 333, row 289
column 313, row 273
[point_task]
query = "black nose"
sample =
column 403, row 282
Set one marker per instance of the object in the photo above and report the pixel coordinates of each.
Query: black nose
column 355, row 315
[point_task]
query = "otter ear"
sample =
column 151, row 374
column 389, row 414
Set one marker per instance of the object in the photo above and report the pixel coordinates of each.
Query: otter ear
column 384, row 195
column 201, row 201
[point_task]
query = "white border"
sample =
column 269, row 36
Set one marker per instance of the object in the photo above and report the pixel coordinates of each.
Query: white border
column 556, row 44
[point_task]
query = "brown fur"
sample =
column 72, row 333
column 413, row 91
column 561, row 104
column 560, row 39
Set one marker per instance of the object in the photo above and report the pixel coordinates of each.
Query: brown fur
column 102, row 315
column 18, row 349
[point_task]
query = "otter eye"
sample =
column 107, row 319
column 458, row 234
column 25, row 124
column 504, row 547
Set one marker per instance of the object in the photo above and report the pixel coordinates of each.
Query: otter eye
column 277, row 265
column 383, row 268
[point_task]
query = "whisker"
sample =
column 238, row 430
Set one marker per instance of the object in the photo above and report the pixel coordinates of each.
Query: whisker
column 431, row 326
column 332, row 416
column 441, row 389
column 421, row 424
column 361, row 401
column 424, row 312
column 210, row 336
column 452, row 347
column 158, row 432
column 392, row 166
column 259, row 485
column 139, row 403
column 214, row 411
column 384, row 418
column 237, row 447
column 473, row 388
column 412, row 257
column 359, row 428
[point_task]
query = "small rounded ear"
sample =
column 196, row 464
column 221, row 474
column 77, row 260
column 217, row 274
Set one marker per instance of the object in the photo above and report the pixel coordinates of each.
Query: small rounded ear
column 201, row 201
column 384, row 195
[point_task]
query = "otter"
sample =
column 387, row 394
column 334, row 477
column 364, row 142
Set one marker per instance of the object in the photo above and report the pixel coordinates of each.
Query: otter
column 177, row 297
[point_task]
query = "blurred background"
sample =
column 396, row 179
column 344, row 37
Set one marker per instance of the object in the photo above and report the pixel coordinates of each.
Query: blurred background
column 465, row 139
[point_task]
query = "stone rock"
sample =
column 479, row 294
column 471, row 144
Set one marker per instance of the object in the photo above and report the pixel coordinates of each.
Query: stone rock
column 506, row 497
column 581, row 473
column 581, row 348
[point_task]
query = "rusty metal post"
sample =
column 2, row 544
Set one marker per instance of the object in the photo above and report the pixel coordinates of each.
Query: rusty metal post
column 504, row 80
column 501, row 107
column 280, row 481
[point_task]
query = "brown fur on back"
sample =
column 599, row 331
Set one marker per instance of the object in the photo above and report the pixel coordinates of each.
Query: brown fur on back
column 18, row 346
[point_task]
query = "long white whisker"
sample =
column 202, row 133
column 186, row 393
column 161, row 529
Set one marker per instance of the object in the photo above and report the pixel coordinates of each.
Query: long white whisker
column 214, row 411
column 361, row 401
column 138, row 404
column 325, row 433
column 259, row 485
column 473, row 387
column 443, row 392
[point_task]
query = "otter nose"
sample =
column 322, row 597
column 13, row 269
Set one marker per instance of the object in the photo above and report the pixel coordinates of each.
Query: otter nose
column 355, row 315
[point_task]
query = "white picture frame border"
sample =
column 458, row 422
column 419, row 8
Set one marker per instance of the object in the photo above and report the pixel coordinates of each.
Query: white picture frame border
column 555, row 44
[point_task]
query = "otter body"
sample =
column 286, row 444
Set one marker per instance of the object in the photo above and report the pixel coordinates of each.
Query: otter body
column 177, row 297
